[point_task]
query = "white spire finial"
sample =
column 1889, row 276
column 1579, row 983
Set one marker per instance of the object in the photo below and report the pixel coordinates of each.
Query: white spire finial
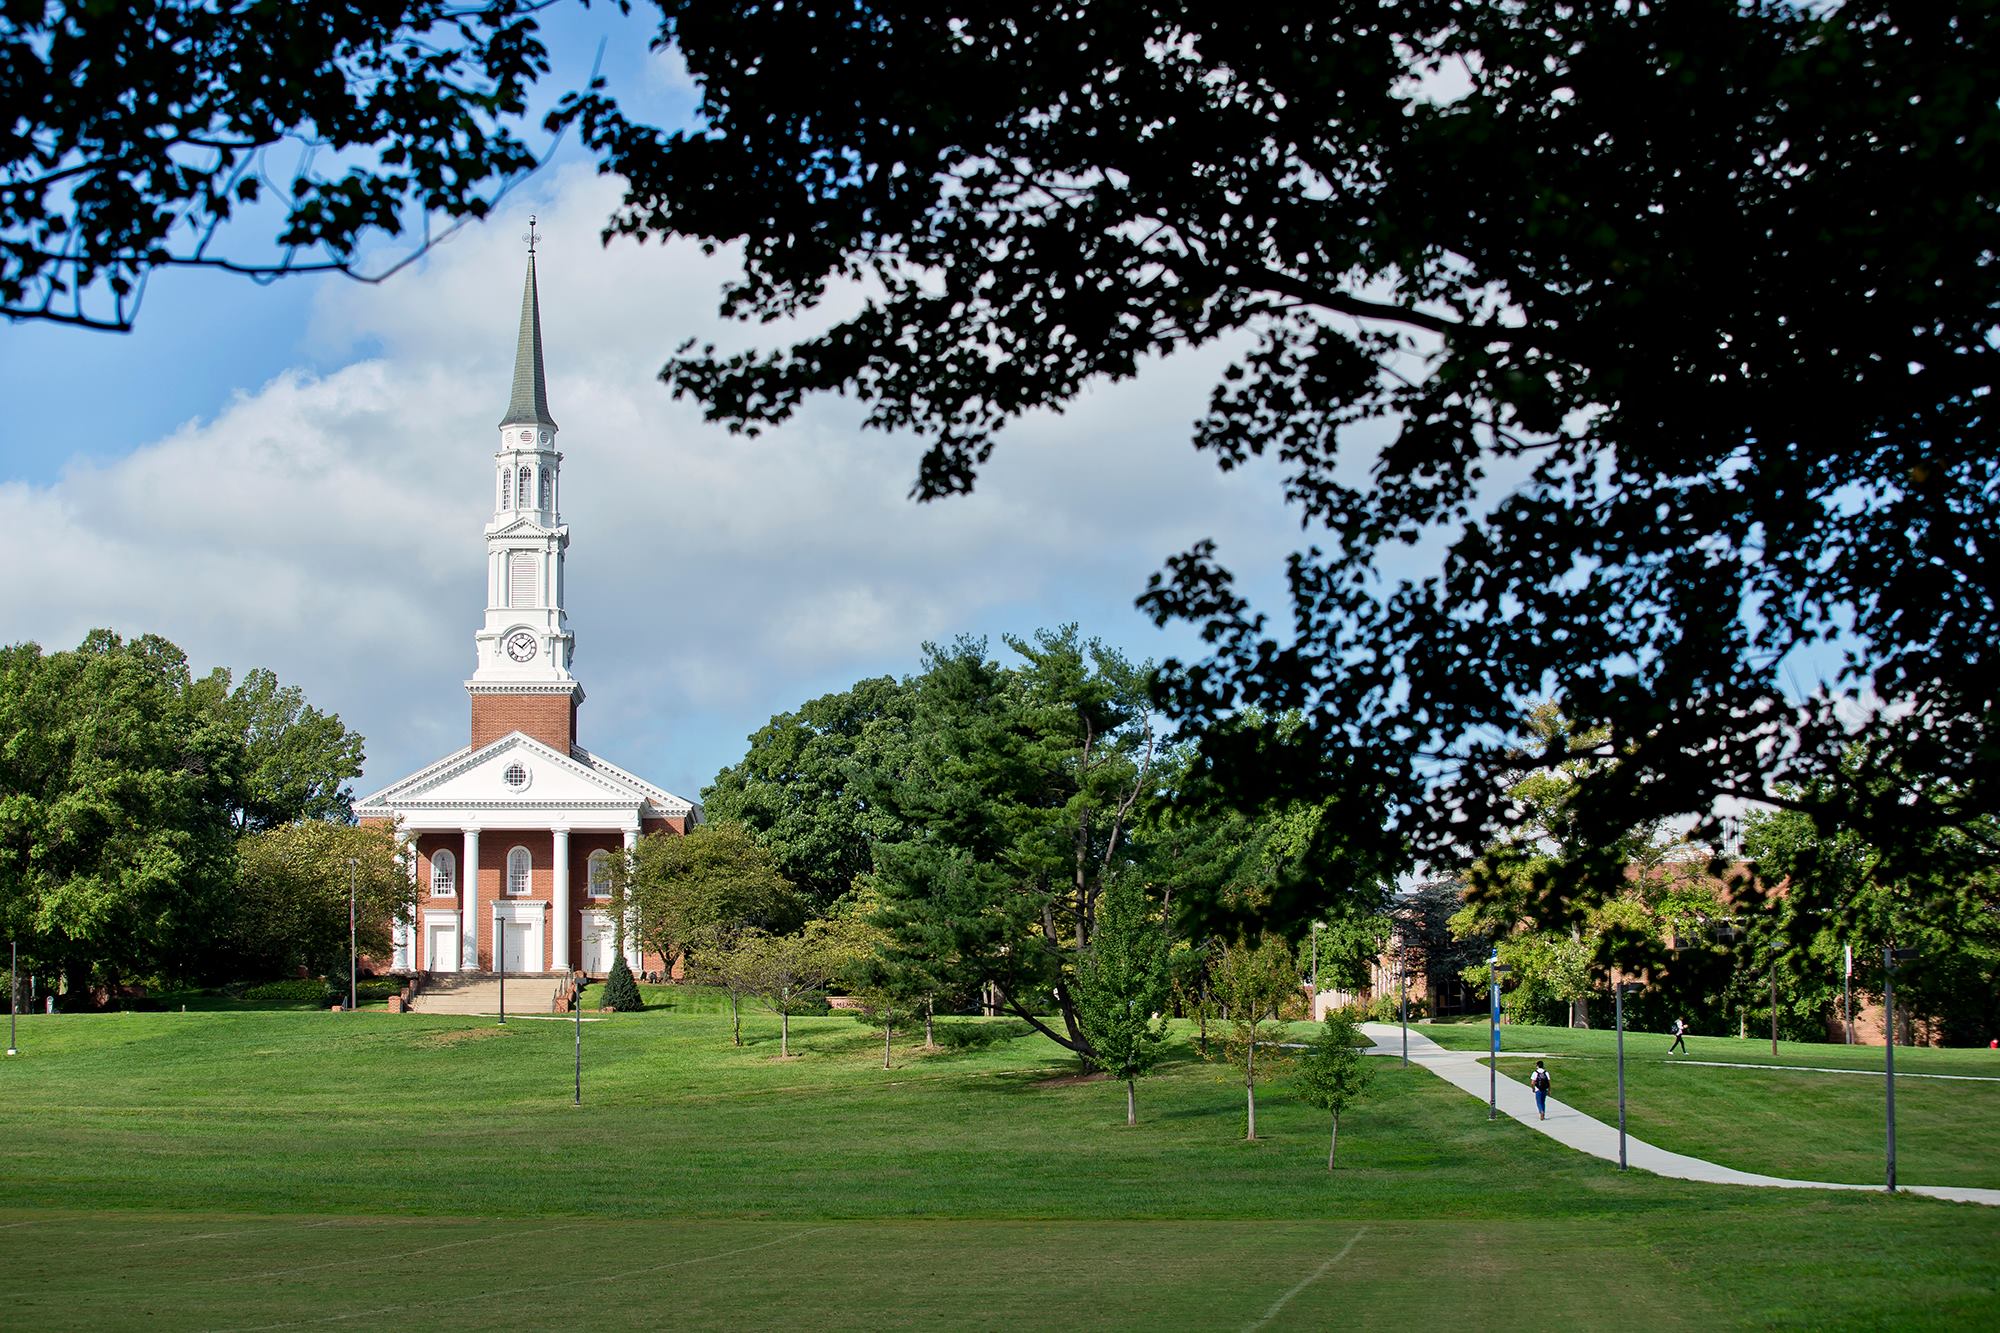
column 529, row 235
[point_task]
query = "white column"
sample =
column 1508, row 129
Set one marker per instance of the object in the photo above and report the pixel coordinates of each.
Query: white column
column 468, row 902
column 559, row 948
column 634, row 955
column 406, row 931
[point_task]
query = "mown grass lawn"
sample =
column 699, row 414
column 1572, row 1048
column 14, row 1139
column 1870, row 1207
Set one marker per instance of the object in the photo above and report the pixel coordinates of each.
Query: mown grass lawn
column 279, row 1169
column 1602, row 1041
column 1797, row 1123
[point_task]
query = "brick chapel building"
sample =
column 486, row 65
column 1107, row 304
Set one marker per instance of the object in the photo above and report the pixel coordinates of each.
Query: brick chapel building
column 514, row 834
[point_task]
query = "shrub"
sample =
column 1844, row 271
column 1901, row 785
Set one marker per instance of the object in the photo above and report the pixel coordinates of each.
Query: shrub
column 302, row 990
column 621, row 992
column 969, row 1034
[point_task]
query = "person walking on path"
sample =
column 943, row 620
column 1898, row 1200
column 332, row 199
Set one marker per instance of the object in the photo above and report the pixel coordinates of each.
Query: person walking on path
column 1680, row 1037
column 1539, row 1081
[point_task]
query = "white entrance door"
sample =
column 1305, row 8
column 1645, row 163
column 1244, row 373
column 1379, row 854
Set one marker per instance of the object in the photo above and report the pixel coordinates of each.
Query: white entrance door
column 597, row 945
column 522, row 955
column 441, row 946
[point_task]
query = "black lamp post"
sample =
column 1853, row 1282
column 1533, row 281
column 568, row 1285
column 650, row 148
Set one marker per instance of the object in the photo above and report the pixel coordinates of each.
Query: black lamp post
column 1496, row 970
column 1618, row 993
column 1890, row 957
column 13, row 993
column 500, row 958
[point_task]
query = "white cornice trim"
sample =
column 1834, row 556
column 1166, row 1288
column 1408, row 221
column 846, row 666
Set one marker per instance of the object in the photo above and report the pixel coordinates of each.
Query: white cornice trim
column 525, row 686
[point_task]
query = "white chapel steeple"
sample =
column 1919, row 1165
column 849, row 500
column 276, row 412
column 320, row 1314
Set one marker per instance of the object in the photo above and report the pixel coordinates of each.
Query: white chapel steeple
column 525, row 646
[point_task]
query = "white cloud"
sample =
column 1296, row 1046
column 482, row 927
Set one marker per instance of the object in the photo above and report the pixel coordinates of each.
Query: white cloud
column 329, row 526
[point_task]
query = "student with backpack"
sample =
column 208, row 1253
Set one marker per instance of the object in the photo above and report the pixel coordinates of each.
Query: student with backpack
column 1539, row 1081
column 1680, row 1037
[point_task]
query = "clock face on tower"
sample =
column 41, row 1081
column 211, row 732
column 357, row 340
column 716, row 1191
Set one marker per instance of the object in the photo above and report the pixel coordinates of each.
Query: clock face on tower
column 521, row 646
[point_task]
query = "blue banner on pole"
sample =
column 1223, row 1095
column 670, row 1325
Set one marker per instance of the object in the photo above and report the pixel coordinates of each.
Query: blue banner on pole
column 1496, row 1041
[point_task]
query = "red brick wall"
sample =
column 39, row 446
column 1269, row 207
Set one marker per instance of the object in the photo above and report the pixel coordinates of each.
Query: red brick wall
column 549, row 718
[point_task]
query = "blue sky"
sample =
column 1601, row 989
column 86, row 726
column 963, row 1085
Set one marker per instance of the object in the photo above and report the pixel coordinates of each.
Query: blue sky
column 295, row 476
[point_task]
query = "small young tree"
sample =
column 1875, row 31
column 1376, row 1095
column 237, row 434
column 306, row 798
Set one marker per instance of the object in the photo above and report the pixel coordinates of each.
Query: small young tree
column 1254, row 983
column 621, row 993
column 734, row 964
column 1332, row 1071
column 788, row 974
column 1190, row 966
column 881, row 996
column 1122, row 983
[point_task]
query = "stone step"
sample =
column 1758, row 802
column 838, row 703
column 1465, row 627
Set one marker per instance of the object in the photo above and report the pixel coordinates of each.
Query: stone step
column 525, row 994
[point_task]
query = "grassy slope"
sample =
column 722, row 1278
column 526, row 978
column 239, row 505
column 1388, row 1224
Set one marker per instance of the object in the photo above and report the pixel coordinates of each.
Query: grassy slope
column 268, row 1167
column 1806, row 1125
column 1735, row 1050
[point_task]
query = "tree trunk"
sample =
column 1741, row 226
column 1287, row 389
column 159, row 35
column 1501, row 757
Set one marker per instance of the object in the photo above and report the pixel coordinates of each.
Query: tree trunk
column 784, row 1034
column 1332, row 1142
column 1131, row 1102
column 930, row 1043
column 736, row 1020
column 1204, row 1027
column 1250, row 1086
column 888, row 1034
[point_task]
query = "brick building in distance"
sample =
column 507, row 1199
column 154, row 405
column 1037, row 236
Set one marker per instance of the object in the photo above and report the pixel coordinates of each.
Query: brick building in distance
column 514, row 835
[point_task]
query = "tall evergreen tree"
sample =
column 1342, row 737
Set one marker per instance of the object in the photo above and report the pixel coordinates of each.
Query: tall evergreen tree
column 1020, row 793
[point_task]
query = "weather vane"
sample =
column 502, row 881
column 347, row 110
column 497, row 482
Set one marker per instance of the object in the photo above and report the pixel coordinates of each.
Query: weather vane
column 529, row 237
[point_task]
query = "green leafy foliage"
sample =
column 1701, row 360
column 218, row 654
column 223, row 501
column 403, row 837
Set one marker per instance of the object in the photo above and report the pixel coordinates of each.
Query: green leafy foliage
column 298, row 762
column 116, row 786
column 703, row 887
column 300, row 990
column 1842, row 890
column 147, row 127
column 124, row 784
column 1679, row 387
column 1122, row 983
column 804, row 787
column 1331, row 1072
column 1256, row 982
column 291, row 901
column 1023, row 785
column 621, row 991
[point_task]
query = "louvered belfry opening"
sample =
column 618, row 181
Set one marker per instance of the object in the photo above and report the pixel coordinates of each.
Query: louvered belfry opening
column 522, row 583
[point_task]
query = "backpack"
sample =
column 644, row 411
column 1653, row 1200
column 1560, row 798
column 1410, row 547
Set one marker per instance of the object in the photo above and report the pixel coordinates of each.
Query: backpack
column 1540, row 1080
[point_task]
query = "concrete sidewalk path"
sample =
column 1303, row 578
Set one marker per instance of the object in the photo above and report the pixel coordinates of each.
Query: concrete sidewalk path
column 1573, row 1129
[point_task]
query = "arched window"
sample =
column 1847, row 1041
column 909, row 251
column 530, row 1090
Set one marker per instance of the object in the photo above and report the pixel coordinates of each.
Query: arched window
column 600, row 874
column 519, row 863
column 506, row 489
column 527, row 483
column 548, row 486
column 444, row 874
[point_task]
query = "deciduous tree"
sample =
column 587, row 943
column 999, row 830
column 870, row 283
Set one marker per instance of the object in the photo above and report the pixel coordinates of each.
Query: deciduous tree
column 299, row 763
column 804, row 789
column 117, row 855
column 702, row 889
column 1642, row 348
column 1256, row 982
column 139, row 130
column 291, row 903
column 1122, row 984
column 1331, row 1071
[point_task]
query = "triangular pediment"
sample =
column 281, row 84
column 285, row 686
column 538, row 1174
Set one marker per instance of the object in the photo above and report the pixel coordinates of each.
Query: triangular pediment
column 518, row 770
column 520, row 526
